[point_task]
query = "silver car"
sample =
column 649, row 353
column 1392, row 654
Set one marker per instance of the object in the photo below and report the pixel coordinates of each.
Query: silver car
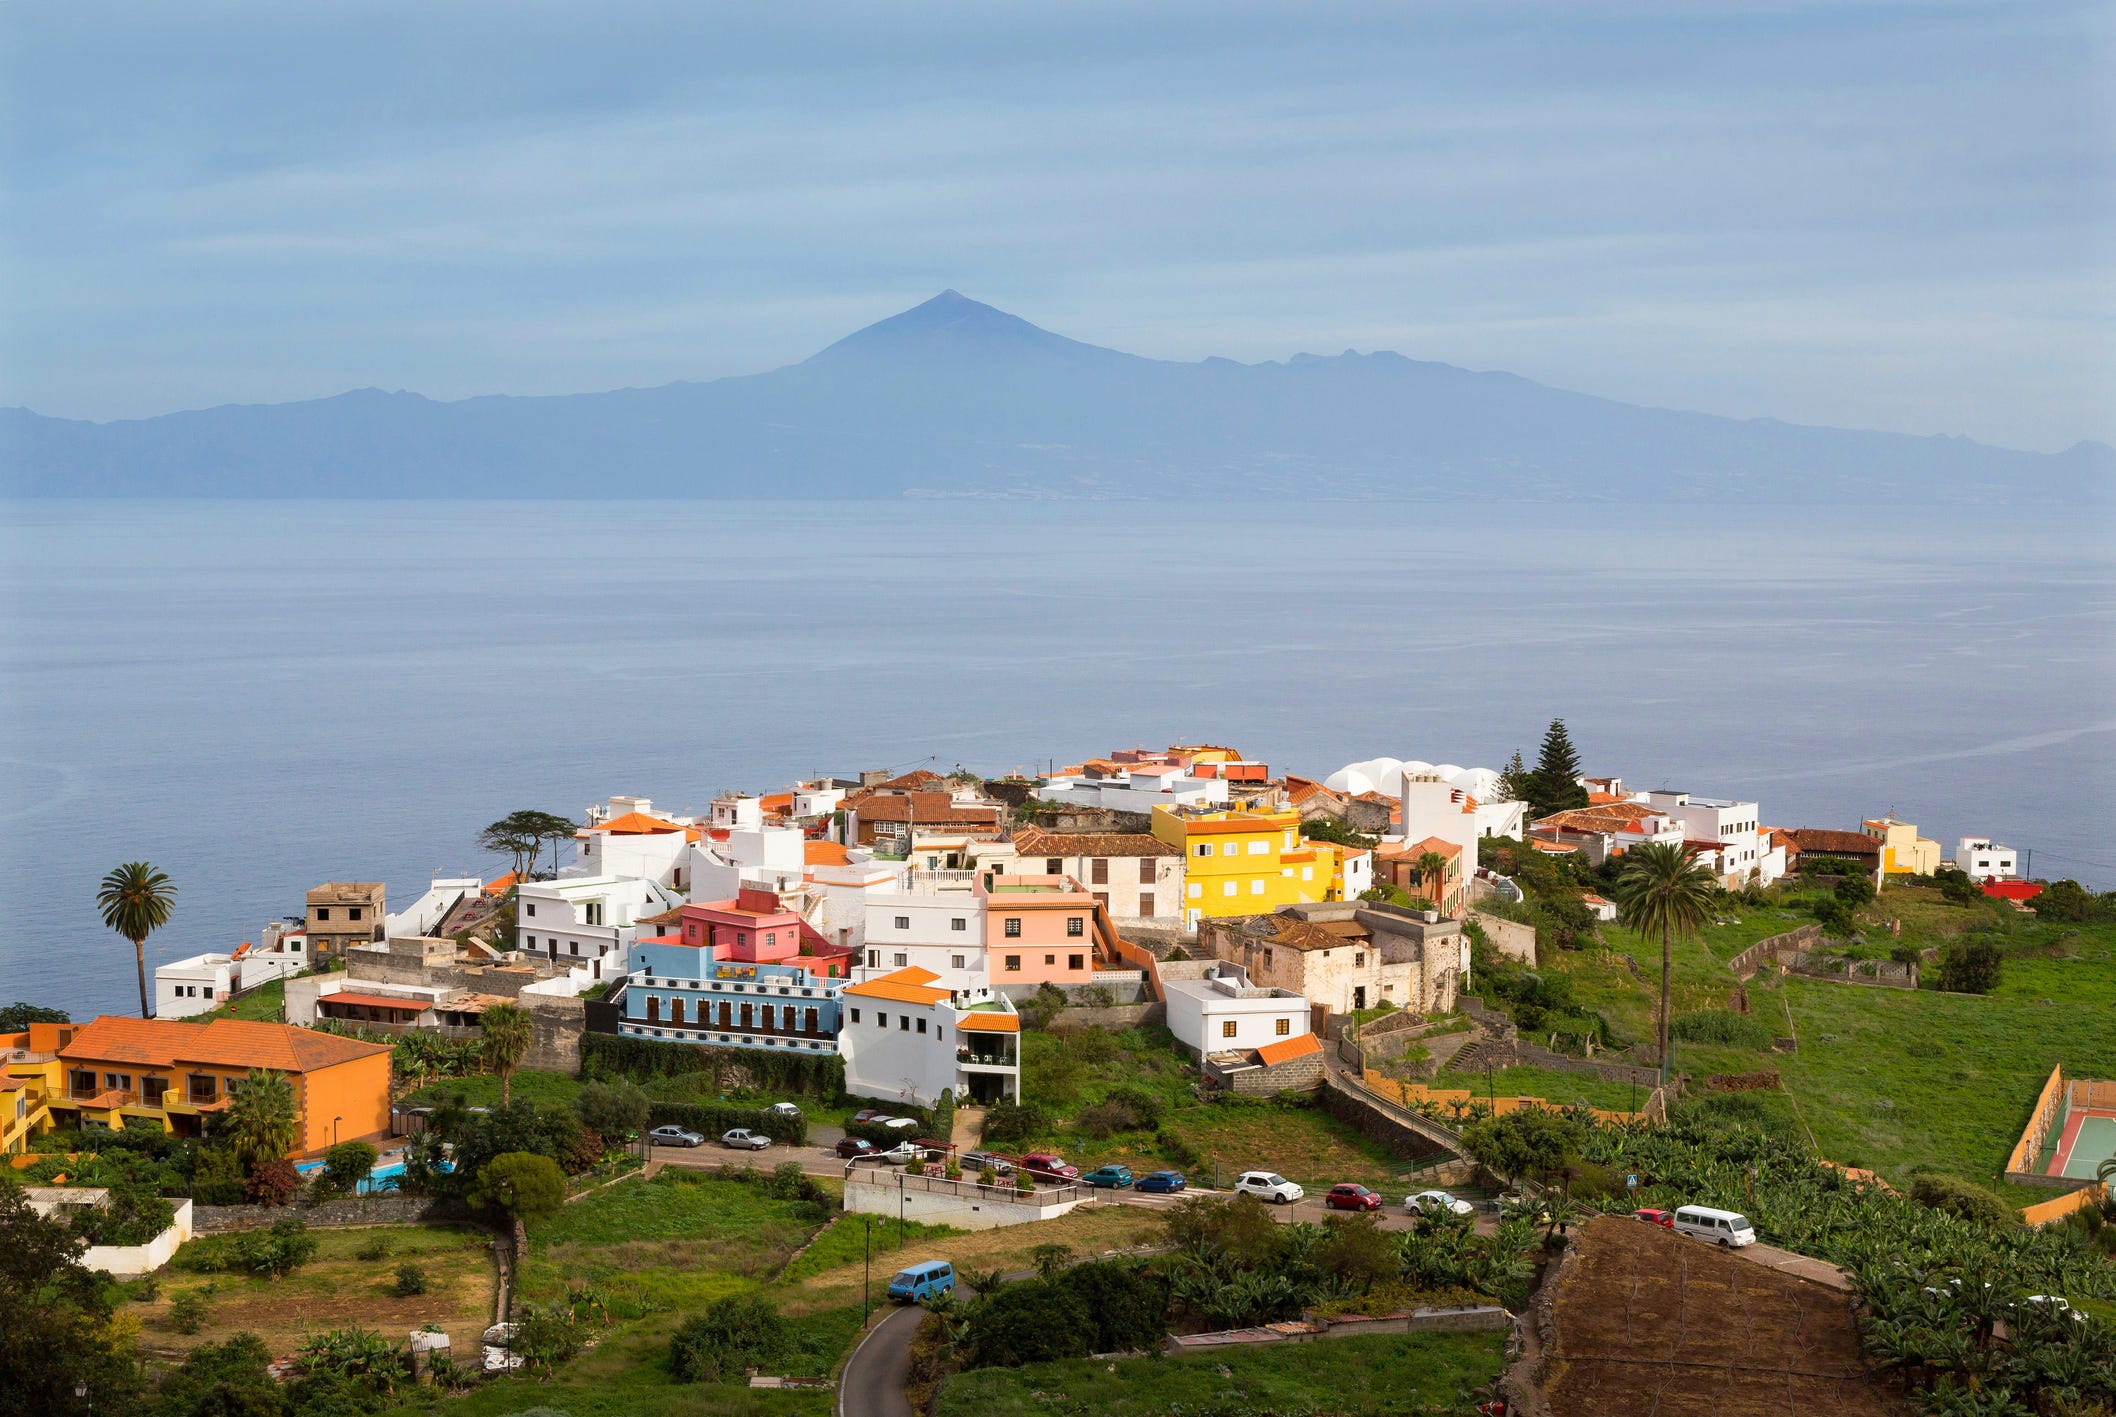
column 674, row 1136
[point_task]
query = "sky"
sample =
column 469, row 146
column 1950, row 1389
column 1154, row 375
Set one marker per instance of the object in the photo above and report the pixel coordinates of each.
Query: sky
column 1890, row 215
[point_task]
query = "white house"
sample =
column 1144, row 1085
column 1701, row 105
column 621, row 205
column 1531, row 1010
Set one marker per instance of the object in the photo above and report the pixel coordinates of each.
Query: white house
column 1136, row 787
column 906, row 1039
column 1221, row 1011
column 1745, row 852
column 185, row 987
column 585, row 918
column 1986, row 860
column 839, row 885
column 1135, row 875
column 1436, row 807
column 726, row 859
column 625, row 838
column 1492, row 812
column 940, row 933
column 424, row 915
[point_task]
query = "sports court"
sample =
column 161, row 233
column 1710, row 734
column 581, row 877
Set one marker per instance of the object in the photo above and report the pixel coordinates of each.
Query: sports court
column 2072, row 1130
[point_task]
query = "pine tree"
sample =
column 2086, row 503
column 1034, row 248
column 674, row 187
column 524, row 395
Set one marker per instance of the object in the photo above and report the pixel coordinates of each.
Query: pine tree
column 1515, row 781
column 1556, row 784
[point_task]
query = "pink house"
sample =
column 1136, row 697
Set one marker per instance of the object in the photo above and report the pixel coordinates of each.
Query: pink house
column 754, row 928
column 1039, row 930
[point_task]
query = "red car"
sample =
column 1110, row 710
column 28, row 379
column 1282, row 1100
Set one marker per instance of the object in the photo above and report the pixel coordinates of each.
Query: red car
column 1347, row 1196
column 1665, row 1219
column 1049, row 1166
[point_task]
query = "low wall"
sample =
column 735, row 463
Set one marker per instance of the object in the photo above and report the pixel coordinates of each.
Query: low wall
column 347, row 1210
column 1881, row 973
column 1463, row 1318
column 2029, row 1149
column 1417, row 1097
column 1509, row 937
column 2044, row 1212
column 1119, row 1016
column 1745, row 964
column 966, row 1205
column 132, row 1261
column 1398, row 1137
column 1294, row 1075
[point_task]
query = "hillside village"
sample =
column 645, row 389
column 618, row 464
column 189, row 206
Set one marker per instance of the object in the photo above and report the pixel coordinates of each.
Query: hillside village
column 653, row 1115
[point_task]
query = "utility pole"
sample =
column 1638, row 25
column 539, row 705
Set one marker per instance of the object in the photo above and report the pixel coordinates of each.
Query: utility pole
column 867, row 1279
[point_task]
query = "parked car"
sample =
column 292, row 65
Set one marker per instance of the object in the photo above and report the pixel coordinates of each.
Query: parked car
column 1268, row 1186
column 897, row 1124
column 1437, row 1203
column 783, row 1109
column 1725, row 1228
column 1664, row 1219
column 1112, row 1177
column 976, row 1161
column 1161, row 1183
column 1049, row 1165
column 675, row 1136
column 1347, row 1195
column 922, row 1281
column 855, row 1146
column 743, row 1139
column 870, row 1114
column 902, row 1154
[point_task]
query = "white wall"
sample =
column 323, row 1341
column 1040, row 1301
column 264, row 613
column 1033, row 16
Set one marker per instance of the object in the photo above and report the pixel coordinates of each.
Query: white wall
column 192, row 986
column 427, row 912
column 1198, row 1010
column 659, row 857
column 1434, row 807
column 875, row 1191
column 551, row 917
column 1986, row 860
column 132, row 1261
column 891, row 1063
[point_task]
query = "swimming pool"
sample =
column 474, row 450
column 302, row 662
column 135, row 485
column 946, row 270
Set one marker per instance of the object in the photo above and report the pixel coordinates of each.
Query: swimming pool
column 383, row 1178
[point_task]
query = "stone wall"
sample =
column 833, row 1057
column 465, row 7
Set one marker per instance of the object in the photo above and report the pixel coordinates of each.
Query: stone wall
column 1397, row 1137
column 1886, row 973
column 1121, row 1016
column 1509, row 937
column 348, row 1210
column 558, row 1023
column 1745, row 964
column 1294, row 1075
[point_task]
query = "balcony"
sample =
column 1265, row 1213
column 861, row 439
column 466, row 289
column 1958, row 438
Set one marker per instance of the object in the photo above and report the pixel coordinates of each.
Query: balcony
column 987, row 1060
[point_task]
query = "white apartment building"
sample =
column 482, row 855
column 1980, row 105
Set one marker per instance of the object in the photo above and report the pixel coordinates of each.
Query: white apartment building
column 1746, row 855
column 626, row 839
column 1983, row 859
column 424, row 915
column 726, row 859
column 1139, row 787
column 906, row 1038
column 1136, row 876
column 1221, row 1011
column 1436, row 807
column 938, row 932
column 586, row 918
column 186, row 987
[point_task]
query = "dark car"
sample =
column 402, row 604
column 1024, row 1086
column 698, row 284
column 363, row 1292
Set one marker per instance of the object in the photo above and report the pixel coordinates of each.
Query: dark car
column 1049, row 1166
column 853, row 1146
column 1665, row 1219
column 1160, row 1183
column 976, row 1161
column 1347, row 1196
column 1112, row 1177
column 869, row 1114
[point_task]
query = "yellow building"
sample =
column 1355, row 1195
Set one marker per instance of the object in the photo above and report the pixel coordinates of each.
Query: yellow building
column 1903, row 851
column 1238, row 862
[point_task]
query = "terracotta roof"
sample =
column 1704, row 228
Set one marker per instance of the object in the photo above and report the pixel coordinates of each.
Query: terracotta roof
column 1416, row 849
column 1034, row 841
column 824, row 853
column 917, row 777
column 988, row 1023
column 636, row 824
column 1299, row 934
column 905, row 986
column 377, row 1001
column 1615, row 816
column 672, row 916
column 1824, row 842
column 776, row 802
column 1288, row 1049
column 929, row 808
column 502, row 884
column 225, row 1042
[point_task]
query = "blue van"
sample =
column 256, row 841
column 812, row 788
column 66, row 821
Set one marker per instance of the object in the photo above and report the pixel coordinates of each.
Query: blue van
column 923, row 1281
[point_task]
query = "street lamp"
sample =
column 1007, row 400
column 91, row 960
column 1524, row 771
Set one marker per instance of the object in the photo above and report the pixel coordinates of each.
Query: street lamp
column 80, row 1390
column 867, row 1279
column 334, row 1128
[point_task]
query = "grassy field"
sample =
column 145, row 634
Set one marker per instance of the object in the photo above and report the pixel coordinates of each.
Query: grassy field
column 1409, row 1373
column 338, row 1288
column 267, row 1005
column 1549, row 1085
column 483, row 1090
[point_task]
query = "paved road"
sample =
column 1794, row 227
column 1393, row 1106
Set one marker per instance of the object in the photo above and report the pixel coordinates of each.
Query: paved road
column 872, row 1384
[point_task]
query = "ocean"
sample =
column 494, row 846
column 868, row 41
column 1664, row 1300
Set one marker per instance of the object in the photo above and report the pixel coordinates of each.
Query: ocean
column 260, row 696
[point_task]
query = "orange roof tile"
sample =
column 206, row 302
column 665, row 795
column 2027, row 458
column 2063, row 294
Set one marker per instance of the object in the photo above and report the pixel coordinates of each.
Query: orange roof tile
column 824, row 853
column 636, row 824
column 503, row 884
column 1034, row 841
column 904, row 986
column 988, row 1023
column 225, row 1042
column 1288, row 1049
column 776, row 802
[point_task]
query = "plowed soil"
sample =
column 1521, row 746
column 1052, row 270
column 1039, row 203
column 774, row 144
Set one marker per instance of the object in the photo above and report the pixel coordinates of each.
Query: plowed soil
column 1654, row 1324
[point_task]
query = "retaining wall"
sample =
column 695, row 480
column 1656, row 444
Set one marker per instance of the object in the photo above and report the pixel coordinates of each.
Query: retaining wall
column 1449, row 1319
column 2044, row 1212
column 1120, row 1016
column 347, row 1210
column 935, row 1200
column 1341, row 1102
column 132, row 1261
column 1509, row 937
column 1753, row 958
column 1294, row 1075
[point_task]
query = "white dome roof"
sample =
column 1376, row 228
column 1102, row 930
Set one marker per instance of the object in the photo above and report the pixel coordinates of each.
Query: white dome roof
column 1477, row 782
column 1349, row 780
column 1413, row 766
column 1449, row 771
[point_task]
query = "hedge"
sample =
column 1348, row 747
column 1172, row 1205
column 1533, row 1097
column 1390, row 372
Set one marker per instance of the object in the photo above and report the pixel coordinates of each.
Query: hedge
column 713, row 1118
column 605, row 1057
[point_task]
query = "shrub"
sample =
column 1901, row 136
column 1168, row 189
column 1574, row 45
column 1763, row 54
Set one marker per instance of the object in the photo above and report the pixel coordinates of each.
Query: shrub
column 612, row 1109
column 1125, row 1109
column 734, row 1333
column 1964, row 1200
column 1033, row 1321
column 1970, row 966
column 131, row 1216
column 346, row 1165
column 411, row 1280
column 712, row 1118
column 1014, row 1122
column 521, row 1186
column 1174, row 1149
column 1719, row 1026
column 277, row 1252
column 372, row 1249
column 273, row 1182
column 187, row 1312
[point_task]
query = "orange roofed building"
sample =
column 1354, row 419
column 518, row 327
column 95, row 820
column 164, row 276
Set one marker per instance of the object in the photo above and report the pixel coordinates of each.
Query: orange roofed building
column 118, row 1072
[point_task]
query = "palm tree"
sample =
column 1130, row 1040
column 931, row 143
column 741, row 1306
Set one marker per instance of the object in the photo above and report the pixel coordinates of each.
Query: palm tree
column 1432, row 866
column 261, row 1120
column 1661, row 890
column 136, row 900
column 507, row 1033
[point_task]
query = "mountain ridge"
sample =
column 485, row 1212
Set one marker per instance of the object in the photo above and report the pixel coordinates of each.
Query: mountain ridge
column 955, row 398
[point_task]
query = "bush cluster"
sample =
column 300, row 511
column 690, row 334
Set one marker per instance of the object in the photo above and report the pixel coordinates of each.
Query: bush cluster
column 281, row 1250
column 1719, row 1026
column 710, row 1119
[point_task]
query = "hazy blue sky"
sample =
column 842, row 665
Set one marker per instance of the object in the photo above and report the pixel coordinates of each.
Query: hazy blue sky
column 1879, row 215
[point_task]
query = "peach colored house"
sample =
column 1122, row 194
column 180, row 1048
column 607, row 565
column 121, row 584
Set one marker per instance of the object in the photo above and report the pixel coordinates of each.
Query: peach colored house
column 1038, row 930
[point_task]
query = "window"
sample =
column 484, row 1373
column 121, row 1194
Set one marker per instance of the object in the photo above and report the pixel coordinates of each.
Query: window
column 1227, row 1029
column 958, row 923
column 1256, row 887
column 771, row 937
column 958, row 962
column 747, row 1016
column 532, row 907
column 532, row 941
column 1146, row 904
column 118, row 1082
column 881, row 1020
column 1098, row 871
column 1013, row 964
column 855, row 1015
column 1359, row 959
column 353, row 913
column 874, row 959
column 1052, row 866
column 1204, row 848
column 1285, row 1027
column 1229, row 887
column 573, row 947
column 323, row 912
column 1259, row 848
column 903, row 1023
column 901, row 959
column 151, row 1090
column 921, row 1025
column 1193, row 890
column 1307, row 873
column 1076, row 962
column 1013, row 927
column 201, row 1087
column 903, row 922
column 1267, row 959
column 1075, row 927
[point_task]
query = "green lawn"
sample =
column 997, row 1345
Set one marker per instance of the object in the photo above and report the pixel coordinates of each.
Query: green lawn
column 1411, row 1373
column 848, row 1240
column 483, row 1089
column 1069, row 1070
column 267, row 1005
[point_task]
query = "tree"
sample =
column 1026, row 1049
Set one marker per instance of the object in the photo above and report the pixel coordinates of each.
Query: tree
column 507, row 1032
column 58, row 1332
column 1535, row 1142
column 520, row 1185
column 1555, row 785
column 136, row 901
column 520, row 836
column 737, row 1332
column 1432, row 869
column 346, row 1165
column 1662, row 890
column 1971, row 966
column 613, row 1110
column 1515, row 780
column 231, row 1379
column 261, row 1121
column 19, row 1016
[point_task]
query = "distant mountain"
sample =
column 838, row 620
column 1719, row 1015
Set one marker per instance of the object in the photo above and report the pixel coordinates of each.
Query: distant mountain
column 956, row 399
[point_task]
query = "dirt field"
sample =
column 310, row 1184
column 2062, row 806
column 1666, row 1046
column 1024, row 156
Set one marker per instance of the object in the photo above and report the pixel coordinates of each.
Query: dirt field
column 1652, row 1322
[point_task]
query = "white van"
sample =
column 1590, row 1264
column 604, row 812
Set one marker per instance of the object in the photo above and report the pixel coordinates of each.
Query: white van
column 1705, row 1223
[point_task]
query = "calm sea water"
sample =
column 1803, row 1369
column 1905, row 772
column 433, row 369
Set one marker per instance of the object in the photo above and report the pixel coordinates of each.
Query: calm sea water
column 261, row 696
